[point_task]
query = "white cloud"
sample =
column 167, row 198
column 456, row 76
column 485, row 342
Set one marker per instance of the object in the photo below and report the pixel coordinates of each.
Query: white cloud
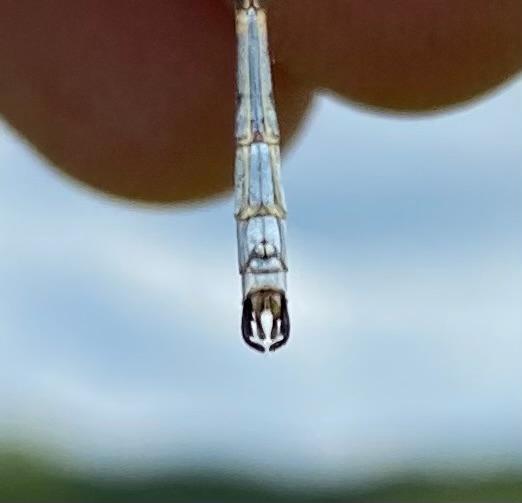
column 120, row 327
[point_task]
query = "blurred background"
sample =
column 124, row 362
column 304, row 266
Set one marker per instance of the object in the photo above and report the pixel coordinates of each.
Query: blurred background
column 122, row 371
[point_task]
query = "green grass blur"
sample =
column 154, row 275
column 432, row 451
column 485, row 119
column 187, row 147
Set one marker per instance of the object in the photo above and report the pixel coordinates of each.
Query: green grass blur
column 30, row 479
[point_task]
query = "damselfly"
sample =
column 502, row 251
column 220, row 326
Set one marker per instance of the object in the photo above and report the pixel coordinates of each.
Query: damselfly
column 260, row 206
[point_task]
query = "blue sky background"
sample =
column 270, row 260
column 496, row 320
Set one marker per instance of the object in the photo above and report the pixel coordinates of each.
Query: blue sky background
column 119, row 325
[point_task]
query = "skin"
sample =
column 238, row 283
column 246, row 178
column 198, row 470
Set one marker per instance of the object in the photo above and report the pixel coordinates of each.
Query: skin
column 136, row 98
